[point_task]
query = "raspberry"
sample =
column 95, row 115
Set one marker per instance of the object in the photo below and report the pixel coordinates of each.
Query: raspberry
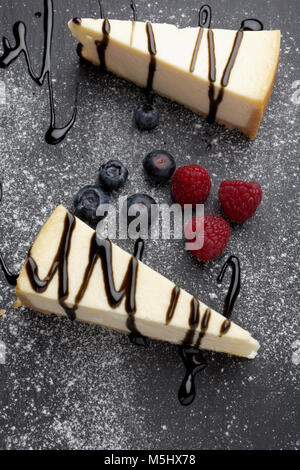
column 239, row 199
column 216, row 235
column 191, row 185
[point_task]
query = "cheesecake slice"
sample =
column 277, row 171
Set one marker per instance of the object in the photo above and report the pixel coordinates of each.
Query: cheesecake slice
column 71, row 271
column 224, row 75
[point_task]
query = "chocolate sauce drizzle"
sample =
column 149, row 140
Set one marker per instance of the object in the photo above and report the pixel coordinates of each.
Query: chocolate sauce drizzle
column 232, row 57
column 10, row 278
column 134, row 10
column 194, row 319
column 204, row 326
column 134, row 13
column 102, row 45
column 205, row 16
column 59, row 264
column 102, row 249
column 76, row 20
column 101, row 10
column 173, row 304
column 194, row 362
column 233, row 291
column 194, row 359
column 196, row 50
column 54, row 134
column 99, row 249
column 135, row 337
column 214, row 102
column 204, row 22
column 152, row 64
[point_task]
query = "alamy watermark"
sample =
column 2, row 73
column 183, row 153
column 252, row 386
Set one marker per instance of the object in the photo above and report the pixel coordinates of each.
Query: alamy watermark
column 160, row 221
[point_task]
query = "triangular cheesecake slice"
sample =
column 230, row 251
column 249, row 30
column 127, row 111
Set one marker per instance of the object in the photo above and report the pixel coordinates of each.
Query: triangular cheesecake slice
column 225, row 75
column 69, row 270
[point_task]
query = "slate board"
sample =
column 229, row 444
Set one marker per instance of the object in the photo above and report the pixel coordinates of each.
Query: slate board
column 74, row 386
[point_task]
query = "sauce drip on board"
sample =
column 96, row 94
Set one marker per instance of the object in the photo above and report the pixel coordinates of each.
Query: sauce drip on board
column 10, row 278
column 194, row 362
column 54, row 135
column 194, row 359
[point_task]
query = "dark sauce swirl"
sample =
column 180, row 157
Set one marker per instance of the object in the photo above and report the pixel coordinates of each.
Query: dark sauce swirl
column 205, row 16
column 54, row 135
column 10, row 278
column 233, row 291
column 251, row 24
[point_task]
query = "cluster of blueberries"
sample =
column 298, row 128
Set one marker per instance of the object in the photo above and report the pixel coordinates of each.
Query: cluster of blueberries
column 159, row 166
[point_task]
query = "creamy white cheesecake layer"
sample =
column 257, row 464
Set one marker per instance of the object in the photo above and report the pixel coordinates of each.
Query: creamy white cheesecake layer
column 251, row 79
column 153, row 294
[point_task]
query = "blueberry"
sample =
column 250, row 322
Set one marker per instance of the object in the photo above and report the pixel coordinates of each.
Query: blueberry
column 159, row 165
column 144, row 204
column 112, row 175
column 146, row 117
column 86, row 203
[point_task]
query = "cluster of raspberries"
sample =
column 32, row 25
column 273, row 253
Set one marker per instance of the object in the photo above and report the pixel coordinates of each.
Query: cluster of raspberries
column 239, row 199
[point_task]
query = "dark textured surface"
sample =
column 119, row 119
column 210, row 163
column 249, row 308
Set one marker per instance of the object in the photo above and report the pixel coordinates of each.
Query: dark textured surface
column 74, row 386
